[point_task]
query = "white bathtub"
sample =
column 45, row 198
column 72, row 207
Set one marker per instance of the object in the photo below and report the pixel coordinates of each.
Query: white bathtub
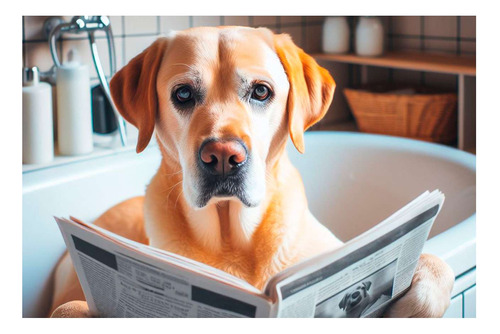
column 352, row 181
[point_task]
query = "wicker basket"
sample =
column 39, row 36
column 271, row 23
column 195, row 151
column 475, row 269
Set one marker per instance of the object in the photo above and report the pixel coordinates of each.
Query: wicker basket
column 420, row 115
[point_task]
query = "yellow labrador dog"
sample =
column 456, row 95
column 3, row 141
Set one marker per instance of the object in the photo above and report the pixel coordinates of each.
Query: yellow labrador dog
column 223, row 102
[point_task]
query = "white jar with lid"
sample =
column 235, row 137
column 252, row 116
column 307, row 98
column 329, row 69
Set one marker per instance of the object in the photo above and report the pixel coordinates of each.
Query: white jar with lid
column 38, row 135
column 369, row 37
column 336, row 35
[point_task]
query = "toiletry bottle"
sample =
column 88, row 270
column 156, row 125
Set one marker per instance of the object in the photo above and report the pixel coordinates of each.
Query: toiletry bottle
column 369, row 37
column 74, row 115
column 336, row 35
column 38, row 137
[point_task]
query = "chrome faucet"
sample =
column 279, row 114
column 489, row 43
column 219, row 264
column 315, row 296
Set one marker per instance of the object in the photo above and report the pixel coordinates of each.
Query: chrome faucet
column 90, row 24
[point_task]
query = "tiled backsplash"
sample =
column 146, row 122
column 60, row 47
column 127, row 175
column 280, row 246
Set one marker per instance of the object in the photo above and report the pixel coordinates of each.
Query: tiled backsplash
column 132, row 34
column 449, row 34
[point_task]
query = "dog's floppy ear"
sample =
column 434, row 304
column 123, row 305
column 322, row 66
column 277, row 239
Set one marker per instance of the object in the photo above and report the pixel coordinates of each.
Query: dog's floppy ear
column 133, row 90
column 311, row 88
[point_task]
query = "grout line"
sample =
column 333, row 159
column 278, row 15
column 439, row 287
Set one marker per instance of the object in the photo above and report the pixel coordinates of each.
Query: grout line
column 24, row 31
column 123, row 42
column 422, row 33
column 444, row 38
column 352, row 29
column 303, row 27
column 391, row 41
column 422, row 46
column 24, row 47
column 350, row 79
column 291, row 24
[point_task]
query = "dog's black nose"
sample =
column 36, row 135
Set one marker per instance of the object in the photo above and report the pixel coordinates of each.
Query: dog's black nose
column 222, row 157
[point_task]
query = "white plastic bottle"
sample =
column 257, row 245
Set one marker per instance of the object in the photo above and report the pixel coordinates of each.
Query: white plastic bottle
column 336, row 35
column 74, row 116
column 38, row 136
column 369, row 37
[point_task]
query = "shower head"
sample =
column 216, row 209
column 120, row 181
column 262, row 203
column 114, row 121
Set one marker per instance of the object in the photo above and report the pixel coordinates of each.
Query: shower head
column 78, row 24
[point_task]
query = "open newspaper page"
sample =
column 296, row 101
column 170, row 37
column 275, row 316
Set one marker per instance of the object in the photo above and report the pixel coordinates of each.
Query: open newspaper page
column 122, row 278
column 361, row 278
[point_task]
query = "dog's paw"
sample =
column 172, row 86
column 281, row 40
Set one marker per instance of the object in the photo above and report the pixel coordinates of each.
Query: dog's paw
column 430, row 292
column 73, row 309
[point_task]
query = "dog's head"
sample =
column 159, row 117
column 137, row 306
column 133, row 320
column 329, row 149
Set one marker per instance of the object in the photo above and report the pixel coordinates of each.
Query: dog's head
column 356, row 298
column 222, row 101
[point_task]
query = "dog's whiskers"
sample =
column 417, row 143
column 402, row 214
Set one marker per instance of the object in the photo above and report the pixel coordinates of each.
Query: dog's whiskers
column 175, row 206
column 268, row 176
column 171, row 189
column 169, row 174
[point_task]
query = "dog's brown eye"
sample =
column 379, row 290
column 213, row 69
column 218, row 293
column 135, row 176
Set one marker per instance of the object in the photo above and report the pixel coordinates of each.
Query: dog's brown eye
column 260, row 93
column 184, row 94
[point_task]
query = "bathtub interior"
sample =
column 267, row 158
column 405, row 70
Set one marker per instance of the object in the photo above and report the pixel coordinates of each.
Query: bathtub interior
column 352, row 182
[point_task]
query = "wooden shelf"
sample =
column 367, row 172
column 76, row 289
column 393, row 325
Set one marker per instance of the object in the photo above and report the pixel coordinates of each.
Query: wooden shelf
column 426, row 62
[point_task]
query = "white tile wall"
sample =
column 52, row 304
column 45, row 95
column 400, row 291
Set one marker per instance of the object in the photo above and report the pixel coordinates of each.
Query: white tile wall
column 170, row 23
column 207, row 21
column 139, row 25
column 135, row 45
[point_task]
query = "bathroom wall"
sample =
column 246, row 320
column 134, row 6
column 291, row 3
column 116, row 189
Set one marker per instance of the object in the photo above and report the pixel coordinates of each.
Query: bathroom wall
column 444, row 34
column 433, row 34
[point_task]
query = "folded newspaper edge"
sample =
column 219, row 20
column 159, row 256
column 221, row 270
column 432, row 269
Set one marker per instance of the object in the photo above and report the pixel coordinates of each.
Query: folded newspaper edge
column 123, row 278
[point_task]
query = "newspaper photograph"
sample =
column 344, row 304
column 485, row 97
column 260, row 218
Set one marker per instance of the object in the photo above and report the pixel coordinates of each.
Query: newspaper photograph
column 362, row 298
column 364, row 281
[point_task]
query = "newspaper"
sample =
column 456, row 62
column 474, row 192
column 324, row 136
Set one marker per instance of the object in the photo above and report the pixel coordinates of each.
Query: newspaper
column 123, row 278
